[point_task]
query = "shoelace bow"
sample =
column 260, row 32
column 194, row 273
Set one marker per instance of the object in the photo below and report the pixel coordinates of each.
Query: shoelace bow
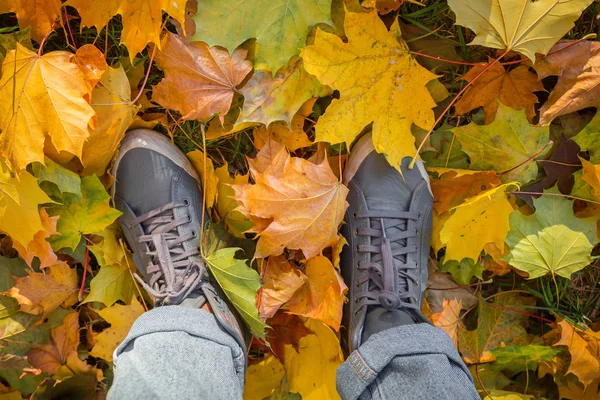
column 388, row 273
column 174, row 272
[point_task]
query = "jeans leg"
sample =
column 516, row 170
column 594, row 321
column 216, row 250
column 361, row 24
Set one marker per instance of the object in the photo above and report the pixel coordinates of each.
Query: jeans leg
column 174, row 352
column 407, row 362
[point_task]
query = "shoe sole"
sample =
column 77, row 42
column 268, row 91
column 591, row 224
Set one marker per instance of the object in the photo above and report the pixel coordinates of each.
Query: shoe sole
column 151, row 140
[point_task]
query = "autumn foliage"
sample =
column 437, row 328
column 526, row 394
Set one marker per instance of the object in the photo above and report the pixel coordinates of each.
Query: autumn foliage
column 497, row 97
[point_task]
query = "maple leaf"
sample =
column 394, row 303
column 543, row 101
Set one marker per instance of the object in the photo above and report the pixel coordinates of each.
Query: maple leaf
column 19, row 201
column 514, row 89
column 378, row 81
column 270, row 98
column 552, row 240
column 583, row 347
column 121, row 318
column 497, row 324
column 240, row 284
column 322, row 296
column 449, row 318
column 115, row 280
column 199, row 81
column 462, row 271
column 523, row 26
column 208, row 178
column 281, row 280
column 447, row 151
column 453, row 188
column 39, row 247
column 578, row 67
column 480, row 220
column 305, row 203
column 311, row 371
column 62, row 178
column 111, row 100
column 41, row 293
column 280, row 27
column 40, row 15
column 420, row 40
column 9, row 41
column 79, row 216
column 508, row 143
column 285, row 329
column 588, row 138
column 142, row 19
column 92, row 64
column 51, row 88
column 235, row 222
column 60, row 358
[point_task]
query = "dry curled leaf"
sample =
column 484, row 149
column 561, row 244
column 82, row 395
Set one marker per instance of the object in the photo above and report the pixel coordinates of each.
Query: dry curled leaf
column 280, row 281
column 583, row 347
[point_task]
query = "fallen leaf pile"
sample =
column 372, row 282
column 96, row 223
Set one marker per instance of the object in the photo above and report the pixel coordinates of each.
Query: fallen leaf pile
column 267, row 99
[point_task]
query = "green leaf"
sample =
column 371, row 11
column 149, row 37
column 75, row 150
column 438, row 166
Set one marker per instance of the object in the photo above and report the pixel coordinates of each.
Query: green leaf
column 240, row 283
column 78, row 387
column 449, row 151
column 19, row 332
column 463, row 271
column 279, row 26
column 11, row 266
column 66, row 181
column 504, row 144
column 80, row 216
column 552, row 240
column 11, row 369
column 521, row 358
column 113, row 283
column 589, row 137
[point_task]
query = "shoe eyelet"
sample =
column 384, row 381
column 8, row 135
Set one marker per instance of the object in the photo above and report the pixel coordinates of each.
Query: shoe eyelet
column 356, row 231
column 194, row 235
column 353, row 215
column 357, row 284
column 417, row 231
column 186, row 202
column 357, row 248
column 418, row 216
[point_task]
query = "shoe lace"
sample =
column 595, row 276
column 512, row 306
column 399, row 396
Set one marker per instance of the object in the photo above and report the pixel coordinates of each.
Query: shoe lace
column 388, row 272
column 173, row 271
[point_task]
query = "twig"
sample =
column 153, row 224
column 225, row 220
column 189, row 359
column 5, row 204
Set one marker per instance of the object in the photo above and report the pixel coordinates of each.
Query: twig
column 147, row 75
column 69, row 28
column 86, row 265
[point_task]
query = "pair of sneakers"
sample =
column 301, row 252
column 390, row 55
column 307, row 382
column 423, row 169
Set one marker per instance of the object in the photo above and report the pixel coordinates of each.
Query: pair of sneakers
column 387, row 227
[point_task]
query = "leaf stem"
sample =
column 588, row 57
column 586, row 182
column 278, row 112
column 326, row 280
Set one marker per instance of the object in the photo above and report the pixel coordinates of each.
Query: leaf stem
column 533, row 156
column 568, row 196
column 449, row 106
column 147, row 75
column 69, row 27
column 86, row 265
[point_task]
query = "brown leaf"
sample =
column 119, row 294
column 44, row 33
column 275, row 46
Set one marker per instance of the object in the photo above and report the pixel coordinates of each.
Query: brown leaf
column 285, row 329
column 305, row 206
column 200, row 81
column 40, row 293
column 322, row 296
column 39, row 247
column 578, row 86
column 281, row 280
column 583, row 347
column 452, row 189
column 449, row 319
column 514, row 89
column 59, row 358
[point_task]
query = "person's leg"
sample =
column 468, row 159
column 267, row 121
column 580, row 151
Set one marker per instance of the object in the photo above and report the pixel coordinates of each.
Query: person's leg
column 192, row 344
column 394, row 351
column 178, row 352
column 417, row 361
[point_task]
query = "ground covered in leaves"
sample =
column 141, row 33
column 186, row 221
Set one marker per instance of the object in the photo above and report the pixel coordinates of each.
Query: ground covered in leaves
column 497, row 97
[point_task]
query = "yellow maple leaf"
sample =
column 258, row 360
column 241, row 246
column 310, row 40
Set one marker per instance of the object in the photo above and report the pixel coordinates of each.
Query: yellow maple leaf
column 120, row 318
column 41, row 293
column 40, row 15
column 303, row 203
column 111, row 99
column 480, row 220
column 591, row 175
column 20, row 199
column 378, row 80
column 39, row 247
column 142, row 19
column 42, row 96
column 263, row 378
column 583, row 346
column 524, row 26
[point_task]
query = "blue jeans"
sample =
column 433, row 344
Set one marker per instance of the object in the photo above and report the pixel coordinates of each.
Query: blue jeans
column 179, row 353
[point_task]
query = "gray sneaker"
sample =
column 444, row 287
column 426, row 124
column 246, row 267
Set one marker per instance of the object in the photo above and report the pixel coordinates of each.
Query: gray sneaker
column 158, row 191
column 388, row 228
